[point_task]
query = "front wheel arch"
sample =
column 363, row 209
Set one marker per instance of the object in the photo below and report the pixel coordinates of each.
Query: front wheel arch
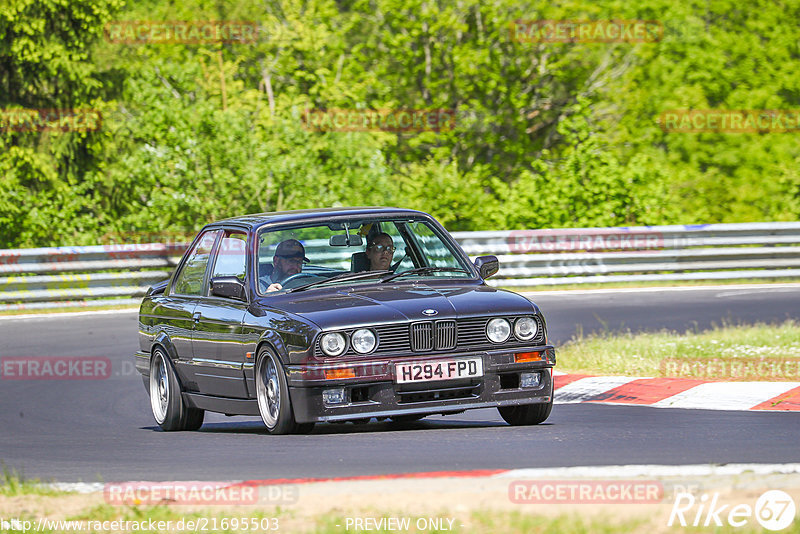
column 266, row 344
column 272, row 393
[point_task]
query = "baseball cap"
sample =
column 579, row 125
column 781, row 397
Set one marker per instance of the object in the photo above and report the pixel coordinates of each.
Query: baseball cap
column 291, row 248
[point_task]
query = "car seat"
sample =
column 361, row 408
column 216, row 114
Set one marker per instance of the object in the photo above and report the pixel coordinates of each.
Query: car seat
column 359, row 262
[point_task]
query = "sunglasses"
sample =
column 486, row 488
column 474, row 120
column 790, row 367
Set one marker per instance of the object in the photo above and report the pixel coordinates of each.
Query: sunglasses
column 383, row 248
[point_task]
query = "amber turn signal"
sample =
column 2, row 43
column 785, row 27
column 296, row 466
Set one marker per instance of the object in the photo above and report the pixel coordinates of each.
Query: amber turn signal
column 527, row 357
column 333, row 374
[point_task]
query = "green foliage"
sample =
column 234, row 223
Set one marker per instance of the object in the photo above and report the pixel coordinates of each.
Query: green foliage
column 546, row 134
column 45, row 64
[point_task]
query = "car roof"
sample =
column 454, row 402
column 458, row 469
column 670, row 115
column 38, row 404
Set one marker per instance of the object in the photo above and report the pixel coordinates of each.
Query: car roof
column 257, row 220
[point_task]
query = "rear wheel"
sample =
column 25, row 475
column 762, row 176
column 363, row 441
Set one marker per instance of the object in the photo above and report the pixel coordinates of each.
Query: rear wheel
column 166, row 402
column 272, row 392
column 527, row 414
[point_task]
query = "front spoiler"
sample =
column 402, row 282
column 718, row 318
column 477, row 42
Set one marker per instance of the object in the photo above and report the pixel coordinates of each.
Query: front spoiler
column 384, row 401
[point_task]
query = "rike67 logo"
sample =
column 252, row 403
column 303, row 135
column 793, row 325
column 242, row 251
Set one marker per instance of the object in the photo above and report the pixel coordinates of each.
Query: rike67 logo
column 773, row 510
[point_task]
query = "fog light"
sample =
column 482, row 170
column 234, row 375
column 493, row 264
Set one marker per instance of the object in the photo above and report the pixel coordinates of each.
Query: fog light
column 334, row 396
column 530, row 380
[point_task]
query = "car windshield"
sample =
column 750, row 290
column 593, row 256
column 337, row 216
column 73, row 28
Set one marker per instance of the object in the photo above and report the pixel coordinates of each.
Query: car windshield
column 305, row 257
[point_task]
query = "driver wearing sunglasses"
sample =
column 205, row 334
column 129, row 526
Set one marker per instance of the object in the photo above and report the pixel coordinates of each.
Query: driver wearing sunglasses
column 380, row 251
column 290, row 255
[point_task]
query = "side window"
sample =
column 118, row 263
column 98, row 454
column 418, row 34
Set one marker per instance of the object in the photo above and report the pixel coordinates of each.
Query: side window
column 435, row 251
column 232, row 256
column 400, row 252
column 190, row 279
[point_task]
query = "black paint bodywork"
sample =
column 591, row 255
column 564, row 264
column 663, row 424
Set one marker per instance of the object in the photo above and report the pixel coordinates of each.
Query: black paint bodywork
column 212, row 341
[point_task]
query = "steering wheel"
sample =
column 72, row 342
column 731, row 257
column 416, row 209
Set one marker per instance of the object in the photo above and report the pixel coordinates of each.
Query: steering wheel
column 297, row 276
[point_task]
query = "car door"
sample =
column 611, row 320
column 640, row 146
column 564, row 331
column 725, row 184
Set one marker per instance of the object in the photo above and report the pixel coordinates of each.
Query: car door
column 176, row 308
column 218, row 344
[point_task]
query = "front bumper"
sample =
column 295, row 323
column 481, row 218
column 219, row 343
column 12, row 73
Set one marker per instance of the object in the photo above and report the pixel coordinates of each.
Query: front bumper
column 374, row 392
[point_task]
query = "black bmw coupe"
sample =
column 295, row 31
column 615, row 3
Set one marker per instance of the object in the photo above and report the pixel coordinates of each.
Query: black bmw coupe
column 334, row 315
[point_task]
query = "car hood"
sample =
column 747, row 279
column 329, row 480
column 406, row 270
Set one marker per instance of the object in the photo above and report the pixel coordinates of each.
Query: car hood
column 356, row 306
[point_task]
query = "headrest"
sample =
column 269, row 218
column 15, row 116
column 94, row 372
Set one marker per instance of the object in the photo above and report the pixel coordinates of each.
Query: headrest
column 359, row 262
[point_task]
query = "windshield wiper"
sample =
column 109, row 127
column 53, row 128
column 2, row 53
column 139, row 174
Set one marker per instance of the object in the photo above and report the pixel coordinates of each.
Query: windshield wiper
column 425, row 270
column 340, row 278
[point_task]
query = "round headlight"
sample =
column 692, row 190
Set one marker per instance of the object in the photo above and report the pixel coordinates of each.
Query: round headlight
column 333, row 344
column 525, row 328
column 363, row 341
column 498, row 330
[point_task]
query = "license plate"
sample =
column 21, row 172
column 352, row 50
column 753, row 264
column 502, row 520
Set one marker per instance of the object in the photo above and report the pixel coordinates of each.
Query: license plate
column 438, row 370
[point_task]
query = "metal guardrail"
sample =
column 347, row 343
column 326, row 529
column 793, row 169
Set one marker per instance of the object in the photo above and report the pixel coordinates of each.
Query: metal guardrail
column 119, row 274
column 645, row 253
column 88, row 276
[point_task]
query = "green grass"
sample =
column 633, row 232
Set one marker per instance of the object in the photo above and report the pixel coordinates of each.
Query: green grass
column 13, row 484
column 643, row 354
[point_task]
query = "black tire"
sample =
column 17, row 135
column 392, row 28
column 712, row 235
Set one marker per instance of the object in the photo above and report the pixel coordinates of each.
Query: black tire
column 304, row 428
column 360, row 421
column 166, row 402
column 527, row 414
column 272, row 392
column 194, row 419
column 408, row 418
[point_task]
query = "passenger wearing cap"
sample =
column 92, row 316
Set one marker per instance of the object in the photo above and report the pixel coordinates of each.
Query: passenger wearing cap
column 288, row 260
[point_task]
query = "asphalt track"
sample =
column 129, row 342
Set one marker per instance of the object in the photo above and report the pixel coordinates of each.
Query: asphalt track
column 102, row 430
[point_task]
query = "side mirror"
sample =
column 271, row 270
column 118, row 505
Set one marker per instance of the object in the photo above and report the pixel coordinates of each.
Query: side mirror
column 228, row 287
column 487, row 265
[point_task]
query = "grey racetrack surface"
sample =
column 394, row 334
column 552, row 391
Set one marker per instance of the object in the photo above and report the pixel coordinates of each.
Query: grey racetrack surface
column 102, row 430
